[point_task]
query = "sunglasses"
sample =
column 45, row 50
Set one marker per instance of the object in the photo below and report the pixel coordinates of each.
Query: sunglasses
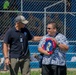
column 49, row 28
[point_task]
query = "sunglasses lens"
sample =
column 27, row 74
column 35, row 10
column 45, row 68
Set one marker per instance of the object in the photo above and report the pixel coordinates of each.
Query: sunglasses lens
column 48, row 28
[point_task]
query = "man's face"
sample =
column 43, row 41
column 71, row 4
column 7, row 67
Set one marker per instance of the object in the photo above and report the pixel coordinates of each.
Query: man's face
column 50, row 29
column 21, row 25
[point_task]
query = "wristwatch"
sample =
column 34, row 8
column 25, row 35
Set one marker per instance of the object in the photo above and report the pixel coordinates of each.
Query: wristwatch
column 6, row 58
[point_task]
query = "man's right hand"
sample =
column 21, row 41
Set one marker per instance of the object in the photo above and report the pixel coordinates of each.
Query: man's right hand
column 46, row 52
column 7, row 61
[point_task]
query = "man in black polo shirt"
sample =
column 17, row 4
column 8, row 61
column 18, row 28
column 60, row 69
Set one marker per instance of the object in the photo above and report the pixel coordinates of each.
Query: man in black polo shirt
column 16, row 38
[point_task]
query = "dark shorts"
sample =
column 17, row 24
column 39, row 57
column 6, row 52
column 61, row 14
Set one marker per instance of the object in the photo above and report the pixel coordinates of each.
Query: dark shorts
column 53, row 70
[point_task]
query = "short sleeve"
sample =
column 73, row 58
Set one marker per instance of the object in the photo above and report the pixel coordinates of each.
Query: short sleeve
column 62, row 39
column 42, row 42
column 7, row 37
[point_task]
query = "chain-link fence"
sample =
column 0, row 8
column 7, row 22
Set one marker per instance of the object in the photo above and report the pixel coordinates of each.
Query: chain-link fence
column 39, row 13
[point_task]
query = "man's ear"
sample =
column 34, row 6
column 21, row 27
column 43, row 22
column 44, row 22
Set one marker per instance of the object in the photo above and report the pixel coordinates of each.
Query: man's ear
column 55, row 30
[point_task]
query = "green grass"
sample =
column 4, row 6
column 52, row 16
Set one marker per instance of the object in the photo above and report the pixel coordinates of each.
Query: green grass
column 38, row 73
column 32, row 73
column 71, row 73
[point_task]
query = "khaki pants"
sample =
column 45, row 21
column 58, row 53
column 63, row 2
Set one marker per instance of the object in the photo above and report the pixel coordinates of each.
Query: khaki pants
column 23, row 64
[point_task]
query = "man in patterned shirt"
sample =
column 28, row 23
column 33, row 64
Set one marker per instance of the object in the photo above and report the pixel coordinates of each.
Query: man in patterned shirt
column 54, row 64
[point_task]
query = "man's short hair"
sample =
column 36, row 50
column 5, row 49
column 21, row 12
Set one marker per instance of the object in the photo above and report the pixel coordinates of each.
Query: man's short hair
column 54, row 24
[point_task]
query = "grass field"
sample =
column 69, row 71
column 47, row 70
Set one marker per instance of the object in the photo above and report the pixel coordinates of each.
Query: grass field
column 38, row 73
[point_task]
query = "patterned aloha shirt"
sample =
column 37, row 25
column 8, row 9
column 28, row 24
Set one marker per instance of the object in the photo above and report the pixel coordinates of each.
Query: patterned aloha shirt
column 58, row 57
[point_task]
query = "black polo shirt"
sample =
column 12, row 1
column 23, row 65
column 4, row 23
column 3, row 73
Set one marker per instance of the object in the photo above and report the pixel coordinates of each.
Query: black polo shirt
column 18, row 41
